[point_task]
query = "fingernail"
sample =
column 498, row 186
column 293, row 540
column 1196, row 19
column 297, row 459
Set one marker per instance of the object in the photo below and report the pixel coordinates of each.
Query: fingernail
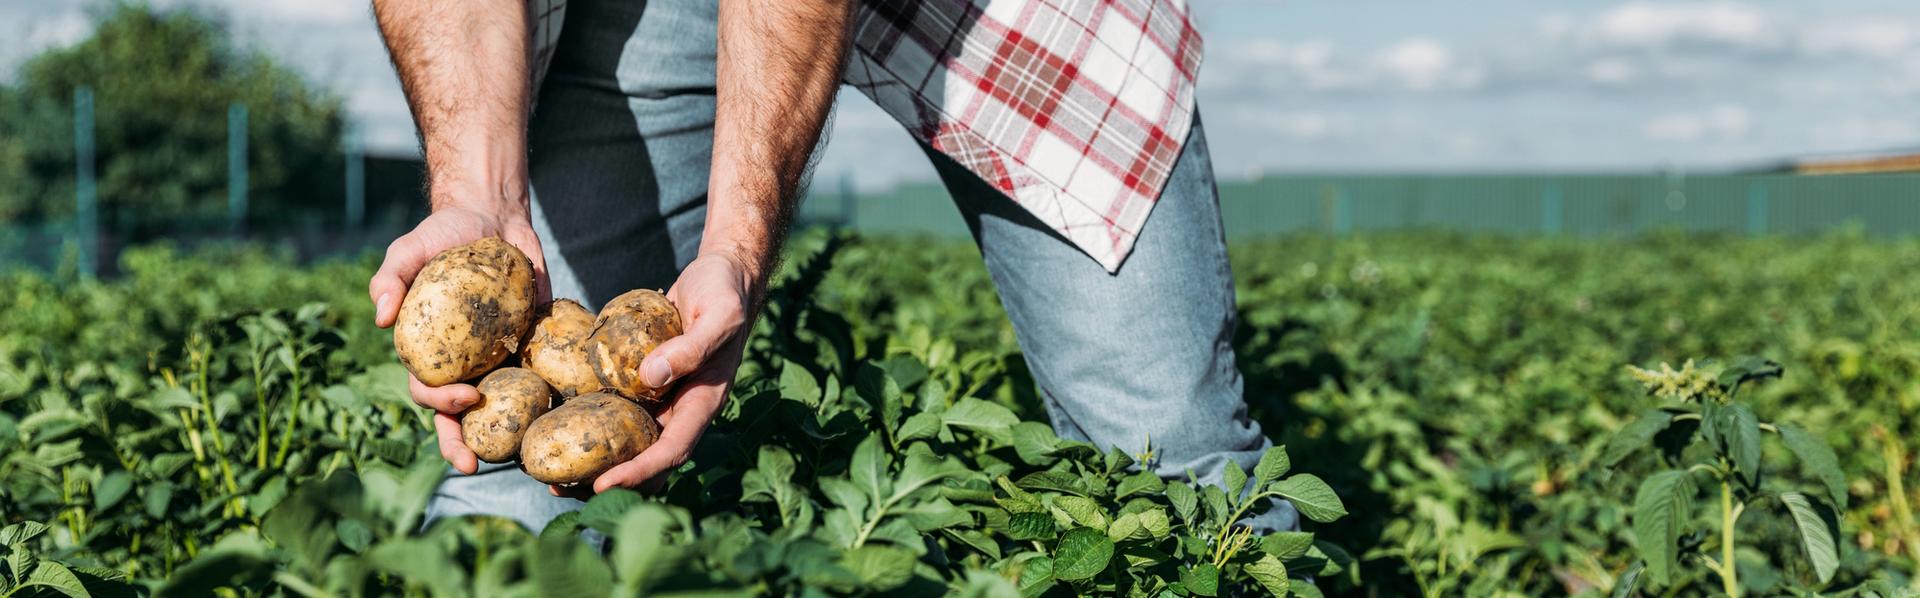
column 380, row 305
column 656, row 373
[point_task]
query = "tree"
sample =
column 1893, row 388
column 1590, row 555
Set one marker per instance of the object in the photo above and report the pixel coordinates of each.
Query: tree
column 162, row 82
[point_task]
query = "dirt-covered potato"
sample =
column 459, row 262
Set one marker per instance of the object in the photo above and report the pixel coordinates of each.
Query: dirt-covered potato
column 585, row 437
column 629, row 328
column 466, row 312
column 510, row 400
column 557, row 351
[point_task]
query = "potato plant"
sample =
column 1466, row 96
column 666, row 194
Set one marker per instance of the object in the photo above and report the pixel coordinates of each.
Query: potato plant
column 1457, row 395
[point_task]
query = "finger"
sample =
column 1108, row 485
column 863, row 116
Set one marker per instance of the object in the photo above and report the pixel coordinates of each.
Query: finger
column 452, row 448
column 680, row 356
column 576, row 491
column 452, row 398
column 671, row 450
column 529, row 243
column 405, row 257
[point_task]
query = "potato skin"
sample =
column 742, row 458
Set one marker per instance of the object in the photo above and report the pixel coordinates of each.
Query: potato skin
column 511, row 399
column 557, row 350
column 585, row 437
column 465, row 313
column 629, row 328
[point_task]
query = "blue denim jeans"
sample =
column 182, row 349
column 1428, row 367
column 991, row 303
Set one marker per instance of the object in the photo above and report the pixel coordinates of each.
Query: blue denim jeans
column 622, row 137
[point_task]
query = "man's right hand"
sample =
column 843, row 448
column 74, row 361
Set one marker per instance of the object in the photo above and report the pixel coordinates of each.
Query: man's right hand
column 448, row 227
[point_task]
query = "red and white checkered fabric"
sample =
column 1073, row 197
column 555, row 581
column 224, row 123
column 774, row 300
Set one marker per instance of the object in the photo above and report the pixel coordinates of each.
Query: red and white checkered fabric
column 1076, row 109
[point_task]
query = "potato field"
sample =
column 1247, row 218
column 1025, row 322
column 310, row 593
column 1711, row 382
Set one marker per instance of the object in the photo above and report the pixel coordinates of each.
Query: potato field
column 1458, row 415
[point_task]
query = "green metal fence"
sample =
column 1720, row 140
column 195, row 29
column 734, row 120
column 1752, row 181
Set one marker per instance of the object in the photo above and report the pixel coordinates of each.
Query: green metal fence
column 1530, row 204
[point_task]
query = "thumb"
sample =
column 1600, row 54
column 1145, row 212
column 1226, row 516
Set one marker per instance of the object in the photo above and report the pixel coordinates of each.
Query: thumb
column 682, row 355
column 405, row 256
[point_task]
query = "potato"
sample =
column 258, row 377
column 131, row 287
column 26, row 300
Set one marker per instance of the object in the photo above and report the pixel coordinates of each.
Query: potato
column 510, row 400
column 466, row 312
column 585, row 437
column 557, row 349
column 629, row 328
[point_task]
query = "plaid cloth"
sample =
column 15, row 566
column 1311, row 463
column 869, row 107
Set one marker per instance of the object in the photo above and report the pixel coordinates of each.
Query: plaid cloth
column 1076, row 109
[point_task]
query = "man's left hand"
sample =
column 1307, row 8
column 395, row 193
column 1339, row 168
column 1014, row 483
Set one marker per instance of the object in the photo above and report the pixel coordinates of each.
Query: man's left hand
column 714, row 295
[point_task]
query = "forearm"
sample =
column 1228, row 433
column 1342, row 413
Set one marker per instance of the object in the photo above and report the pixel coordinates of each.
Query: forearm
column 779, row 66
column 463, row 65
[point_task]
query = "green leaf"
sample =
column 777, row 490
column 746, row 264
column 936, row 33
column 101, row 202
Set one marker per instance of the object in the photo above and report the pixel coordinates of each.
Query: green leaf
column 1017, row 500
column 1123, row 526
column 1235, row 480
column 1817, row 457
column 1312, row 497
column 1629, row 580
column 1034, row 442
column 1144, row 482
column 1742, row 431
column 56, row 577
column 880, row 567
column 1029, row 526
column 844, row 493
column 919, row 425
column 1635, row 435
column 798, row 384
column 1083, row 553
column 1185, row 502
column 111, row 489
column 1201, row 580
column 1818, row 527
column 641, row 555
column 1057, row 481
column 868, row 469
column 1083, row 511
column 1036, row 575
column 922, row 469
column 1154, row 521
column 986, row 419
column 1287, row 545
column 1273, row 464
column 19, row 533
column 566, row 566
column 1270, row 573
column 1661, row 510
column 604, row 511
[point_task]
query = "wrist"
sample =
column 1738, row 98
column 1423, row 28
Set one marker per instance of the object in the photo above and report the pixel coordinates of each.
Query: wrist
column 491, row 180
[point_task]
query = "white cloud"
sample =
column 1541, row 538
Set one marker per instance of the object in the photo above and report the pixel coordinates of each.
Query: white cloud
column 1722, row 122
column 1871, row 38
column 1611, row 71
column 1421, row 63
column 1866, row 133
column 1662, row 24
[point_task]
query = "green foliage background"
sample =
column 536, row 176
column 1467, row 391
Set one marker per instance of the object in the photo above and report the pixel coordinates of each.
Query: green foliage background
column 162, row 81
column 1457, row 392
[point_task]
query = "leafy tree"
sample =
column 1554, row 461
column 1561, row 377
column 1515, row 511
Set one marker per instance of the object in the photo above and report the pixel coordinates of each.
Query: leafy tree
column 162, row 82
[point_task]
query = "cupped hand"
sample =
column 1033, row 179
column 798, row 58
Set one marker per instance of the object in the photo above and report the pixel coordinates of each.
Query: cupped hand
column 446, row 228
column 714, row 295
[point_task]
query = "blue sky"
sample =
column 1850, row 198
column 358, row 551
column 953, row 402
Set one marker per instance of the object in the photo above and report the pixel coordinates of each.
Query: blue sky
column 1364, row 85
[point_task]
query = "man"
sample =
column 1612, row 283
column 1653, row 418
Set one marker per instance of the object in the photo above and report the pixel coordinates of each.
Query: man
column 667, row 142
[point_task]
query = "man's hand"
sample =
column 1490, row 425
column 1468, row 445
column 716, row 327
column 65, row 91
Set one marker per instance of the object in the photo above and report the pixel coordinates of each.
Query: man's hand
column 464, row 67
column 447, row 228
column 714, row 295
column 779, row 63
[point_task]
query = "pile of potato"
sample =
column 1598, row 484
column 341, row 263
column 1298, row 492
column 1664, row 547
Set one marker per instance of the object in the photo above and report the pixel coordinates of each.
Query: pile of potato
column 574, row 405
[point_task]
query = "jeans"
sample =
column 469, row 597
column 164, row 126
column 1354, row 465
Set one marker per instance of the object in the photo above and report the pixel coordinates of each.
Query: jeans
column 621, row 140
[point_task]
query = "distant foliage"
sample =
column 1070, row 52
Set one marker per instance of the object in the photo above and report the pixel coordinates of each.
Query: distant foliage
column 162, row 81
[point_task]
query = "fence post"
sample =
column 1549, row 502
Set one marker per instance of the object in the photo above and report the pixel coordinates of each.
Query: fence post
column 847, row 199
column 1757, row 208
column 86, row 211
column 1551, row 217
column 356, row 179
column 237, row 168
column 1339, row 210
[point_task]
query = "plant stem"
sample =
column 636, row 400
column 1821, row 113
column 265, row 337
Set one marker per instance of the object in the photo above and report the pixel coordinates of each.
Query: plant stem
column 1729, row 572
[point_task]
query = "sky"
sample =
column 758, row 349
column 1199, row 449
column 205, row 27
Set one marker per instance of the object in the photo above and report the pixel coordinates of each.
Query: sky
column 1353, row 85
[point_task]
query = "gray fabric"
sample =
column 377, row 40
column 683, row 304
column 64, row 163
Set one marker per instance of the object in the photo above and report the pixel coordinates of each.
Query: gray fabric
column 620, row 157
